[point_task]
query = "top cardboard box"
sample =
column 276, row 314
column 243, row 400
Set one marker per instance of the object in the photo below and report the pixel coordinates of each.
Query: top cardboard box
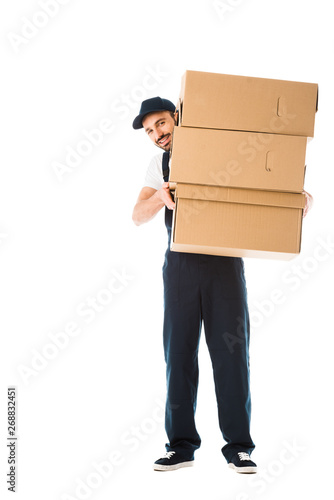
column 228, row 102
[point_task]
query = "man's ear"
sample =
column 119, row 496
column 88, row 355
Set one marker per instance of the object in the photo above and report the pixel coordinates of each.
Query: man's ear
column 176, row 116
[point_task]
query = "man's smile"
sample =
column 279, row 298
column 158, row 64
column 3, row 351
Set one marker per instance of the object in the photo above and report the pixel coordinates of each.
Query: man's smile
column 164, row 140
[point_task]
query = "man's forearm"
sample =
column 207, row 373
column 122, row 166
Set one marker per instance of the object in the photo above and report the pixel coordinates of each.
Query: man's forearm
column 145, row 210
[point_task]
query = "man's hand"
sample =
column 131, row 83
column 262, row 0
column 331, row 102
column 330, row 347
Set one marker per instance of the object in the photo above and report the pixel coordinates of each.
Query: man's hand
column 149, row 202
column 165, row 196
column 308, row 203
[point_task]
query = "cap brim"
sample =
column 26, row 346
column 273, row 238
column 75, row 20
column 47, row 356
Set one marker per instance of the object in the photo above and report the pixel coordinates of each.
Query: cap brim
column 137, row 122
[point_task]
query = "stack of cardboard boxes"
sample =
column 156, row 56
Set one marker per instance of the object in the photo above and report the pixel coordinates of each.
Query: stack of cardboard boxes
column 238, row 165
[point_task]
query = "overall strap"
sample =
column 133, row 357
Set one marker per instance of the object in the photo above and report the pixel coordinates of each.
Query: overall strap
column 168, row 213
column 165, row 166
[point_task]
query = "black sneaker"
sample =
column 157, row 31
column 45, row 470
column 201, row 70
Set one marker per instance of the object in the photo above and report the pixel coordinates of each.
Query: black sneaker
column 172, row 461
column 242, row 463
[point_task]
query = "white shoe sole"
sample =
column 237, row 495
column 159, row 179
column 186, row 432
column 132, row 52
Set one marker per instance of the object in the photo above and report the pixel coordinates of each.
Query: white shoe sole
column 165, row 468
column 243, row 470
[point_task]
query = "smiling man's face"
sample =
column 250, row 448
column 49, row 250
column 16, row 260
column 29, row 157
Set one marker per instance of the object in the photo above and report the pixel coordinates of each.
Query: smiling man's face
column 159, row 127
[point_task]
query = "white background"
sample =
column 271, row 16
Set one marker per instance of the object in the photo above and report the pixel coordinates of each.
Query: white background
column 98, row 398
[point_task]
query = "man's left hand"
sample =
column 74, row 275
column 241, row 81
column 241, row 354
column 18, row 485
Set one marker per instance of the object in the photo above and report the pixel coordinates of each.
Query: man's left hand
column 308, row 203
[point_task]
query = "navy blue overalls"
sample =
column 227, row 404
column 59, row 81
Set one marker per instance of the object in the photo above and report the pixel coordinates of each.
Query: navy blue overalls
column 210, row 289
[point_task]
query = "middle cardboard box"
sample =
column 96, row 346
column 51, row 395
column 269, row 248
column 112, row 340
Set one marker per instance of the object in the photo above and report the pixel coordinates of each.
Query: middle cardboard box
column 238, row 159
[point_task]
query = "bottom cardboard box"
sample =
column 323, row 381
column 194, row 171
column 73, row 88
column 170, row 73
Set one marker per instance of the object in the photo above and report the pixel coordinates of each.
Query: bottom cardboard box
column 237, row 222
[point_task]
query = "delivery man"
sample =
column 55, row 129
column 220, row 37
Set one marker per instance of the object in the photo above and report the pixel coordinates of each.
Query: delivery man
column 197, row 288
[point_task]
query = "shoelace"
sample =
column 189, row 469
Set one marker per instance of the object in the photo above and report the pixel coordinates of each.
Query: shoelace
column 169, row 454
column 244, row 456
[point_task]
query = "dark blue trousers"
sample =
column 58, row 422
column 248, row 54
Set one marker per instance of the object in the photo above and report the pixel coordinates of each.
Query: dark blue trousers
column 210, row 290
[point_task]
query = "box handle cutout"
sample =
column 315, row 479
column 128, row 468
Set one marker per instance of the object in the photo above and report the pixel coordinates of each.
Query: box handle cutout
column 269, row 161
column 281, row 106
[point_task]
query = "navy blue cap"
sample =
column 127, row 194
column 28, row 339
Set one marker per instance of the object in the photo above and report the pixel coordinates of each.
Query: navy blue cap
column 150, row 106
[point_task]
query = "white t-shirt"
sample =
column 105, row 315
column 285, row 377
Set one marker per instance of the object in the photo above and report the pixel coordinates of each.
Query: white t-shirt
column 154, row 178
